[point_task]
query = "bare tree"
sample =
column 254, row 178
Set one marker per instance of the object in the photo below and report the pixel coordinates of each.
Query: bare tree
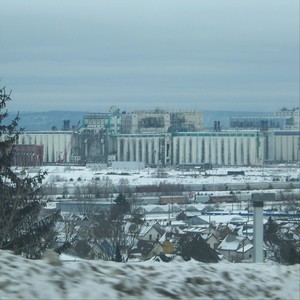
column 48, row 190
column 124, row 187
column 117, row 230
column 104, row 188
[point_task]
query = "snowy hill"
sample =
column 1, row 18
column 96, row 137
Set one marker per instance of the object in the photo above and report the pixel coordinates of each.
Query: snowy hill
column 55, row 279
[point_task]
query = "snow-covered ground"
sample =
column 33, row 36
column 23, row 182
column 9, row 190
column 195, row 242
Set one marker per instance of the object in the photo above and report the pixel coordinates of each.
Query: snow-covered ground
column 51, row 278
column 62, row 174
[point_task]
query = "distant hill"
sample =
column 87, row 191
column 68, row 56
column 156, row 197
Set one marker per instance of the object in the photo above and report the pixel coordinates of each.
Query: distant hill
column 46, row 120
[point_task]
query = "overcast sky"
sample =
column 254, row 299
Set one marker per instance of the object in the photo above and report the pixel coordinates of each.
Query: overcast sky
column 88, row 55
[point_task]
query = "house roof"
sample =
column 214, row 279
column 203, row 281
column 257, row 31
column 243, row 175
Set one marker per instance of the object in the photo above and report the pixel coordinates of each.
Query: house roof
column 156, row 226
column 160, row 230
column 207, row 236
column 157, row 210
column 198, row 230
column 238, row 220
column 144, row 247
column 163, row 238
column 190, row 214
column 231, row 242
column 245, row 248
column 192, row 208
column 196, row 221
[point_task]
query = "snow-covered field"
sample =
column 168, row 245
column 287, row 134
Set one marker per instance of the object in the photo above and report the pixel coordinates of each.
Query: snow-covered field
column 51, row 278
column 62, row 174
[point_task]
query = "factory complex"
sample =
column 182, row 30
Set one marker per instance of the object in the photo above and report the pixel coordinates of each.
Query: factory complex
column 164, row 138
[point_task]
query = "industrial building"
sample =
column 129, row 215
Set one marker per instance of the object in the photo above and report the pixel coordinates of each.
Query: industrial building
column 282, row 120
column 292, row 116
column 103, row 121
column 28, row 155
column 159, row 121
column 284, row 146
column 145, row 121
column 160, row 138
column 259, row 123
column 56, row 144
column 186, row 121
column 225, row 148
column 218, row 148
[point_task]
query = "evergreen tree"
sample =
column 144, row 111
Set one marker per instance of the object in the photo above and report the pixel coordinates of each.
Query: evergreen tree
column 271, row 232
column 120, row 207
column 194, row 246
column 22, row 228
column 281, row 247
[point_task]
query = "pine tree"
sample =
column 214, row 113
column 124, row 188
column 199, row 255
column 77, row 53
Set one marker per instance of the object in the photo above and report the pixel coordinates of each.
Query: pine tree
column 194, row 246
column 120, row 207
column 22, row 228
column 281, row 247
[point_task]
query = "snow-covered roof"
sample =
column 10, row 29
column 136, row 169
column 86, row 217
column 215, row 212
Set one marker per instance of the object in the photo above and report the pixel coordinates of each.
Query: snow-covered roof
column 231, row 242
column 163, row 238
column 245, row 248
column 178, row 223
column 238, row 220
column 146, row 229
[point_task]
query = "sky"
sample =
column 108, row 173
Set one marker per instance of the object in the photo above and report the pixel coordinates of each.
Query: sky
column 88, row 55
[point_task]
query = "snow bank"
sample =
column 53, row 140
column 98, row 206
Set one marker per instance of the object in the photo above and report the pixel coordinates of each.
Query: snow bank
column 53, row 279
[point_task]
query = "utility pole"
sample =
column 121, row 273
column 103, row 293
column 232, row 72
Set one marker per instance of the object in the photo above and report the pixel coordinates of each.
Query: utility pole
column 258, row 227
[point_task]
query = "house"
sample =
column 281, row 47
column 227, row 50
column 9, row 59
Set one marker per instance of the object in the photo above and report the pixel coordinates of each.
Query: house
column 146, row 249
column 151, row 232
column 168, row 247
column 211, row 229
column 101, row 249
column 235, row 247
column 194, row 246
column 211, row 240
column 222, row 231
column 181, row 216
column 245, row 252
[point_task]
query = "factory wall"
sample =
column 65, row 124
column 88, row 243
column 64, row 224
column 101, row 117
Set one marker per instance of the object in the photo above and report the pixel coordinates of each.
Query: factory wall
column 286, row 145
column 222, row 148
column 144, row 148
column 55, row 143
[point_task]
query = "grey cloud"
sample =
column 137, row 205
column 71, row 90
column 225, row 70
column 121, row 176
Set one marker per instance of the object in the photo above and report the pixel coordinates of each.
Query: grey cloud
column 204, row 54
